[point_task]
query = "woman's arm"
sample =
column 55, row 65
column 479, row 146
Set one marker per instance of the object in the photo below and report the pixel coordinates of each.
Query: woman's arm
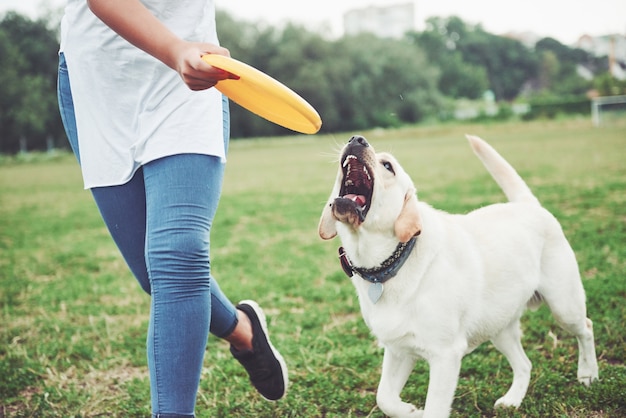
column 135, row 23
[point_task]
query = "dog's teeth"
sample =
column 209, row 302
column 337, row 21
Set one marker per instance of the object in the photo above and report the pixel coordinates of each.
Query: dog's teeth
column 347, row 160
column 348, row 183
column 367, row 173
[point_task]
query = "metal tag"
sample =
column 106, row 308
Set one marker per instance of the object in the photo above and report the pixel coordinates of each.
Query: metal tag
column 375, row 291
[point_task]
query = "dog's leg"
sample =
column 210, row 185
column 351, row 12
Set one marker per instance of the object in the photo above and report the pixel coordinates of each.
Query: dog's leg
column 508, row 342
column 396, row 370
column 570, row 314
column 443, row 378
column 562, row 290
column 587, row 363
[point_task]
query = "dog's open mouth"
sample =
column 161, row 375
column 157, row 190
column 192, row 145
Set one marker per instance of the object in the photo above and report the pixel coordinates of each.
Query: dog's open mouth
column 357, row 185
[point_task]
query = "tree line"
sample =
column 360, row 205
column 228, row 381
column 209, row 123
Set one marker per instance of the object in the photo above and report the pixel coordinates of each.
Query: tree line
column 355, row 82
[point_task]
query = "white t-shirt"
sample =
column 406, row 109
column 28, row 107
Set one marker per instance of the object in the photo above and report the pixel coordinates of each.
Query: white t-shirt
column 131, row 108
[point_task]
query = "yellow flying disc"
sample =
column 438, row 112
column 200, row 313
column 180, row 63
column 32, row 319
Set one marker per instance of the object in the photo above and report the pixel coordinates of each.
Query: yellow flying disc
column 265, row 96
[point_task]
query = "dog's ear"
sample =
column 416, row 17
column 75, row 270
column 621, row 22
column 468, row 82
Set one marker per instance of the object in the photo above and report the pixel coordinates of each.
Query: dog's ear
column 409, row 223
column 327, row 229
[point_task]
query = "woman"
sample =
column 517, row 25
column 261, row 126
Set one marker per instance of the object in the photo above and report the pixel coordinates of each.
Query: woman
column 151, row 136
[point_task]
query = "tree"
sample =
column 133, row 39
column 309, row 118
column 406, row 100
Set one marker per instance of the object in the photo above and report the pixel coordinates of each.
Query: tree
column 390, row 82
column 549, row 69
column 10, row 63
column 458, row 79
column 28, row 59
column 607, row 85
column 509, row 64
column 472, row 60
column 559, row 64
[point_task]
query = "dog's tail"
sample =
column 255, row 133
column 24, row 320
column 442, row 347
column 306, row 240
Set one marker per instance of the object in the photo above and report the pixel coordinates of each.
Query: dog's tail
column 513, row 186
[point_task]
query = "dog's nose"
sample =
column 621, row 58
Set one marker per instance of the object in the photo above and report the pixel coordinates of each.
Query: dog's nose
column 358, row 139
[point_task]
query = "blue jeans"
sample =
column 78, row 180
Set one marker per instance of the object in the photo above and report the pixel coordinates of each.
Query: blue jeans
column 161, row 221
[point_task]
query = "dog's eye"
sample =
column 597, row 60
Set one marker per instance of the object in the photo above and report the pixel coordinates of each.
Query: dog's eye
column 388, row 166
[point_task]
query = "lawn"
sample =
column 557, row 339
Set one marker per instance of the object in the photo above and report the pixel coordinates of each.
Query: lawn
column 73, row 320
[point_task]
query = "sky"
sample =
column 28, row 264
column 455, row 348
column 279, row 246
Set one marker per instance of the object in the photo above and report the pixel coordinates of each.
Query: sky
column 564, row 20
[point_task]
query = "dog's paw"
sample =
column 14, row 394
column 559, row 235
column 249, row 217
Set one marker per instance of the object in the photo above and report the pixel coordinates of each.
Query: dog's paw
column 587, row 372
column 507, row 402
column 402, row 410
column 587, row 380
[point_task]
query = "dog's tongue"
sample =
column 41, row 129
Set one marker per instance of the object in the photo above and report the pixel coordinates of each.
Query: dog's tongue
column 356, row 198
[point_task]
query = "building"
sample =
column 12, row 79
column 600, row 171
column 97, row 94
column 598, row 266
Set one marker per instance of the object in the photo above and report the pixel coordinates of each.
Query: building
column 383, row 21
column 613, row 46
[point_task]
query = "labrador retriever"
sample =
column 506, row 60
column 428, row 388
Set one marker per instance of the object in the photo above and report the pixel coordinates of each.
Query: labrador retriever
column 434, row 285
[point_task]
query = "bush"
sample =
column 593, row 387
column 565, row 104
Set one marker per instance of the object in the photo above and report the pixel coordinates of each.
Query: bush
column 550, row 107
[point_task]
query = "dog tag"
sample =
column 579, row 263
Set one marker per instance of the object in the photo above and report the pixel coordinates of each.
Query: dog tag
column 375, row 291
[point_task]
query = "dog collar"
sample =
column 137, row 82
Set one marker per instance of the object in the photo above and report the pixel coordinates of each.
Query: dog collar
column 387, row 268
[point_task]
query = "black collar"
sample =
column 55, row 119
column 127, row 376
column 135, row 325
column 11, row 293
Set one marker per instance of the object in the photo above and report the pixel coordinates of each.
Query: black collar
column 386, row 270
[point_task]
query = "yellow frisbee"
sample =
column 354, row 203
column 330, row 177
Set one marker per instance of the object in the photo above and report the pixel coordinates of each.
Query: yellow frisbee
column 265, row 96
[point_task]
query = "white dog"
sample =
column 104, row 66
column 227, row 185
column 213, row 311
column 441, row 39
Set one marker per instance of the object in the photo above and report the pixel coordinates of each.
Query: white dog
column 434, row 285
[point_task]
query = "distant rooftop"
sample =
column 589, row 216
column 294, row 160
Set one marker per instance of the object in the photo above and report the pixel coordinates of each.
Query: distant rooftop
column 384, row 21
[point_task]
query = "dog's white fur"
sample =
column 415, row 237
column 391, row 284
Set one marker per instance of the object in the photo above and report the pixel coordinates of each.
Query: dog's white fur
column 468, row 280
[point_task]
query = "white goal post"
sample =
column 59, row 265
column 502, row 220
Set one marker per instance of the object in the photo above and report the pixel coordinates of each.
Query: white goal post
column 601, row 104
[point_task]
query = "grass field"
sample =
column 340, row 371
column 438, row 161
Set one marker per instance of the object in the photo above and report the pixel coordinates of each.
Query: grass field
column 73, row 320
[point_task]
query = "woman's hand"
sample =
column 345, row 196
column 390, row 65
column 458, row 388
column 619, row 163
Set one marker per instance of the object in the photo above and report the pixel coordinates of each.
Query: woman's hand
column 195, row 72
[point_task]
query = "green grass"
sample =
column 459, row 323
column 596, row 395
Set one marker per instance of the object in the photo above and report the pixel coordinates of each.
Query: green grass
column 73, row 320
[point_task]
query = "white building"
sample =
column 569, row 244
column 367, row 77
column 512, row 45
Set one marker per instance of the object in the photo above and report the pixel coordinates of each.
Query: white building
column 384, row 21
column 613, row 46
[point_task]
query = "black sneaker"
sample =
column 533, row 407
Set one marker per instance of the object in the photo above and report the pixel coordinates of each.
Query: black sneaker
column 264, row 364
